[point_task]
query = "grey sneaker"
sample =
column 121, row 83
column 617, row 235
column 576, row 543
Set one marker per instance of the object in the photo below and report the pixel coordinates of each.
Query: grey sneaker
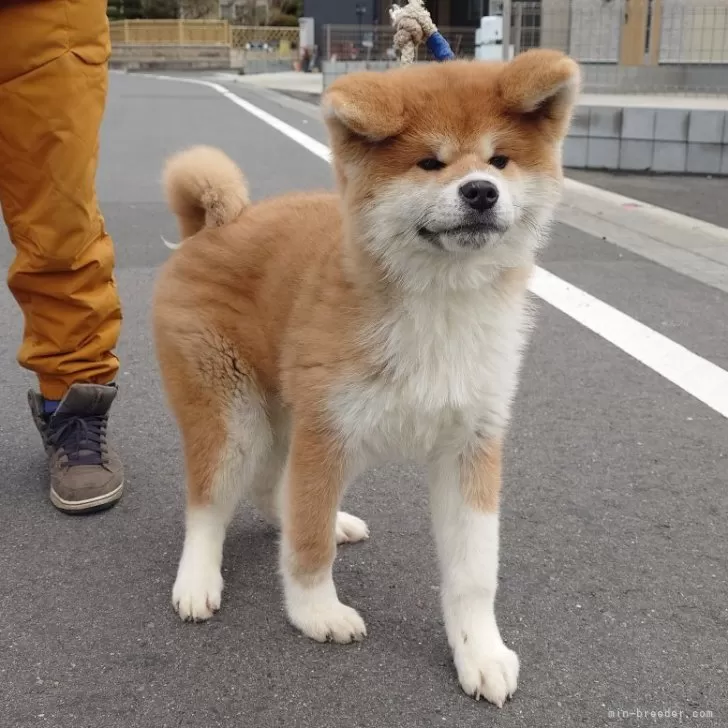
column 86, row 475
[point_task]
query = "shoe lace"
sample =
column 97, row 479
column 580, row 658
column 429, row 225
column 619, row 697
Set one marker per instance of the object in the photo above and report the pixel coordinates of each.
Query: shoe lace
column 81, row 438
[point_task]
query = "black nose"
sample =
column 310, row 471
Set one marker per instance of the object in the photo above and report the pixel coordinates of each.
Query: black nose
column 479, row 194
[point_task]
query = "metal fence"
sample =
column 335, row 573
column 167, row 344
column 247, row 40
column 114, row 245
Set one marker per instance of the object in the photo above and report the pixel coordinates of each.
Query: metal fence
column 624, row 46
column 263, row 37
column 263, row 49
column 628, row 32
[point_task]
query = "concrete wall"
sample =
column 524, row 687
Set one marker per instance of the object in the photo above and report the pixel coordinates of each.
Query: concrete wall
column 172, row 57
column 644, row 139
column 665, row 78
column 606, row 77
column 195, row 58
column 256, row 62
column 333, row 69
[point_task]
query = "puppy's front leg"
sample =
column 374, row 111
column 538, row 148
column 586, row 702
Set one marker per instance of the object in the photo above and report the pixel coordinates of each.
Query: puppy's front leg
column 312, row 489
column 464, row 500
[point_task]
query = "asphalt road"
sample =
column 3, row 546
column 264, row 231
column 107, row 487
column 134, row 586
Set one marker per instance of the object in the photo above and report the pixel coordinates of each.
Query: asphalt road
column 615, row 536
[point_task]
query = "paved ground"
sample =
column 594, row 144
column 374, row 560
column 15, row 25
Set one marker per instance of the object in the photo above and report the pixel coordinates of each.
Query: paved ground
column 614, row 563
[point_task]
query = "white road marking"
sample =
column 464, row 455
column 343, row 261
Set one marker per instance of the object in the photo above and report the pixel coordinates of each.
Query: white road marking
column 171, row 246
column 697, row 376
column 313, row 146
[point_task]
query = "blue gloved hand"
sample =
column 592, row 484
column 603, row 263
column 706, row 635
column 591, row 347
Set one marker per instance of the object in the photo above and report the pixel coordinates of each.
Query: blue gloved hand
column 439, row 47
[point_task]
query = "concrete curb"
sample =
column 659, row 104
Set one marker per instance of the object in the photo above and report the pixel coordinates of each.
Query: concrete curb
column 684, row 244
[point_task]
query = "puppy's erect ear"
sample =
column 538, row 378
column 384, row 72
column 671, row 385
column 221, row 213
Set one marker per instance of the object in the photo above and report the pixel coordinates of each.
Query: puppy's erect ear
column 543, row 84
column 366, row 104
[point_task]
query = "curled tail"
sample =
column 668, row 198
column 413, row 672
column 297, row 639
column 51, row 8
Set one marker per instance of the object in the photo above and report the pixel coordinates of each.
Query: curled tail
column 204, row 188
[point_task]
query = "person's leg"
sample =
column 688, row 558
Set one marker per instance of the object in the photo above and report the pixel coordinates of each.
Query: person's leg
column 53, row 82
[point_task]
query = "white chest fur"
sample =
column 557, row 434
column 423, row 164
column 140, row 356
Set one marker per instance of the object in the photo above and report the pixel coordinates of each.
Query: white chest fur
column 447, row 366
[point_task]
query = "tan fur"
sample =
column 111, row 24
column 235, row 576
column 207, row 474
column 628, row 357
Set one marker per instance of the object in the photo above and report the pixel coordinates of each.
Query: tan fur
column 529, row 104
column 480, row 476
column 271, row 307
column 316, row 474
column 541, row 83
column 204, row 188
column 264, row 300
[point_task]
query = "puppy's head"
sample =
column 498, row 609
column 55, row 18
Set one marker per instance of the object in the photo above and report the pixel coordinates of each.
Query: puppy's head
column 459, row 159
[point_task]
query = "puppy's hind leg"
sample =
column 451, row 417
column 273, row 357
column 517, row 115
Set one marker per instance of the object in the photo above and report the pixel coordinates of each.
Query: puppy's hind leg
column 223, row 450
column 267, row 492
column 267, row 488
column 350, row 529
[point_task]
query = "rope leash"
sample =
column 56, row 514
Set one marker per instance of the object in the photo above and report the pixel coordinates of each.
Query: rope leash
column 412, row 24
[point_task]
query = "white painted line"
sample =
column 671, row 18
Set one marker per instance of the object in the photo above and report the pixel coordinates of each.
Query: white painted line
column 697, row 376
column 171, row 246
column 702, row 379
column 313, row 146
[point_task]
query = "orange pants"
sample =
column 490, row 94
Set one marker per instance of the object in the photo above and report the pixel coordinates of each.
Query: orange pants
column 53, row 84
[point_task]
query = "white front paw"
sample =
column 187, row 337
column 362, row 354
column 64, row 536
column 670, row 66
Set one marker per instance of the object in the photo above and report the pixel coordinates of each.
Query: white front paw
column 486, row 669
column 318, row 613
column 350, row 529
column 334, row 622
column 197, row 591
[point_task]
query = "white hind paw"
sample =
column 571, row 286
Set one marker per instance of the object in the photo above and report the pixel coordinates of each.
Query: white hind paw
column 350, row 529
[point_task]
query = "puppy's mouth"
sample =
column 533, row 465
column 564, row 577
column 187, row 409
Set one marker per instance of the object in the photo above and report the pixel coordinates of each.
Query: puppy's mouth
column 473, row 234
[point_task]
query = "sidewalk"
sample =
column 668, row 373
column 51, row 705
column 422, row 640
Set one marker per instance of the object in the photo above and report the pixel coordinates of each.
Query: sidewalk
column 705, row 198
column 683, row 243
column 312, row 83
column 293, row 81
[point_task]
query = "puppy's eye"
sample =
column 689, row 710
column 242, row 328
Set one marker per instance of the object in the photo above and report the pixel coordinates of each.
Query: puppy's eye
column 431, row 164
column 499, row 161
